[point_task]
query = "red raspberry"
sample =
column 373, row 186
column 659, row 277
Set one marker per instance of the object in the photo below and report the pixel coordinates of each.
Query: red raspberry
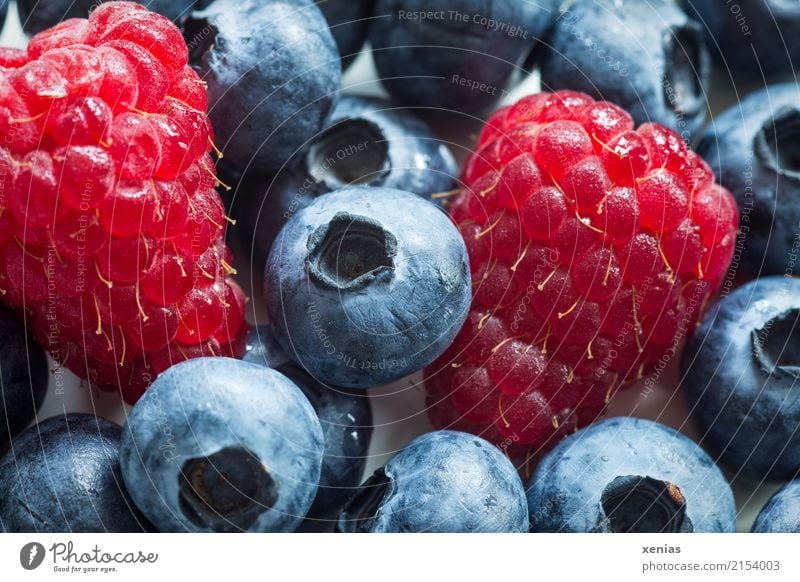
column 111, row 232
column 594, row 247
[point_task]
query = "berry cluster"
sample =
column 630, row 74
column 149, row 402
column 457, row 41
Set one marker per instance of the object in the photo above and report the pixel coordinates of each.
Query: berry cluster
column 593, row 248
column 111, row 232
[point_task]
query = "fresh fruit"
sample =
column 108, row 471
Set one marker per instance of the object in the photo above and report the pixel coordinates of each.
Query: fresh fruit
column 367, row 285
column 23, row 376
column 739, row 376
column 3, row 12
column 593, row 249
column 366, row 141
column 349, row 21
column 436, row 54
column 346, row 420
column 754, row 148
column 273, row 75
column 647, row 57
column 443, row 481
column 629, row 475
column 112, row 232
column 37, row 15
column 782, row 513
column 63, row 475
column 751, row 40
column 221, row 445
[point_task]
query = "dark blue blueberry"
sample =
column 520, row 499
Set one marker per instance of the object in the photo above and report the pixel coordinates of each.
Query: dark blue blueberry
column 63, row 475
column 273, row 75
column 647, row 57
column 754, row 149
column 367, row 285
column 782, row 513
column 23, row 375
column 219, row 445
column 740, row 378
column 629, row 475
column 457, row 56
column 36, row 15
column 349, row 22
column 443, row 481
column 751, row 40
column 346, row 421
column 366, row 141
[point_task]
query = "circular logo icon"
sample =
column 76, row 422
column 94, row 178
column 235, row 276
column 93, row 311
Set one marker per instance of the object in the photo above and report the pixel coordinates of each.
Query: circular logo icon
column 31, row 555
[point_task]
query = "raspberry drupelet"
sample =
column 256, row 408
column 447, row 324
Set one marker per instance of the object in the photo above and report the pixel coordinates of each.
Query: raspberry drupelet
column 111, row 231
column 594, row 247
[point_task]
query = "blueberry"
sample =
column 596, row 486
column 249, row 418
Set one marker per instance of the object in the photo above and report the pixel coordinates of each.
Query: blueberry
column 273, row 75
column 782, row 513
column 346, row 421
column 367, row 285
column 647, row 57
column 349, row 21
column 443, row 481
column 629, row 475
column 219, row 445
column 754, row 149
column 366, row 141
column 23, row 375
column 751, row 40
column 440, row 54
column 36, row 15
column 63, row 475
column 740, row 378
column 3, row 11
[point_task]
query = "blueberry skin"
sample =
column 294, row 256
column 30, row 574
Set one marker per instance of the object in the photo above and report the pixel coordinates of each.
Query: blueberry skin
column 782, row 513
column 367, row 141
column 765, row 27
column 273, row 75
column 444, row 481
column 604, row 477
column 360, row 292
column 209, row 417
column 63, row 475
column 346, row 421
column 422, row 61
column 752, row 148
column 647, row 57
column 37, row 15
column 23, row 376
column 349, row 22
column 740, row 379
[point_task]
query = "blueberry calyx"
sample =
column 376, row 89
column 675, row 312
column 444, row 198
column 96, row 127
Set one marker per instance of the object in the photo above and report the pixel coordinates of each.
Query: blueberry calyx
column 350, row 152
column 685, row 61
column 777, row 143
column 350, row 252
column 640, row 504
column 776, row 344
column 364, row 505
column 227, row 490
column 200, row 36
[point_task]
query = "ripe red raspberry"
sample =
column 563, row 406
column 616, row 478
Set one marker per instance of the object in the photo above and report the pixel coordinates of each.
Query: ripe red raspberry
column 111, row 232
column 593, row 247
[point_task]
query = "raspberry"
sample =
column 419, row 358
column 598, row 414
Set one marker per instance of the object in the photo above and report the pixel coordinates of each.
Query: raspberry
column 594, row 247
column 111, row 232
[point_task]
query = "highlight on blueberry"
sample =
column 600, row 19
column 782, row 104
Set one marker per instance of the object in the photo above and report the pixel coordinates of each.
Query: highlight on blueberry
column 782, row 513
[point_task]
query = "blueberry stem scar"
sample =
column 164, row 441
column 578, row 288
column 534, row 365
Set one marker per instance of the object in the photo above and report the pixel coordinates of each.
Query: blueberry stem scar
column 227, row 490
column 353, row 151
column 350, row 251
column 640, row 504
column 777, row 143
column 776, row 344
